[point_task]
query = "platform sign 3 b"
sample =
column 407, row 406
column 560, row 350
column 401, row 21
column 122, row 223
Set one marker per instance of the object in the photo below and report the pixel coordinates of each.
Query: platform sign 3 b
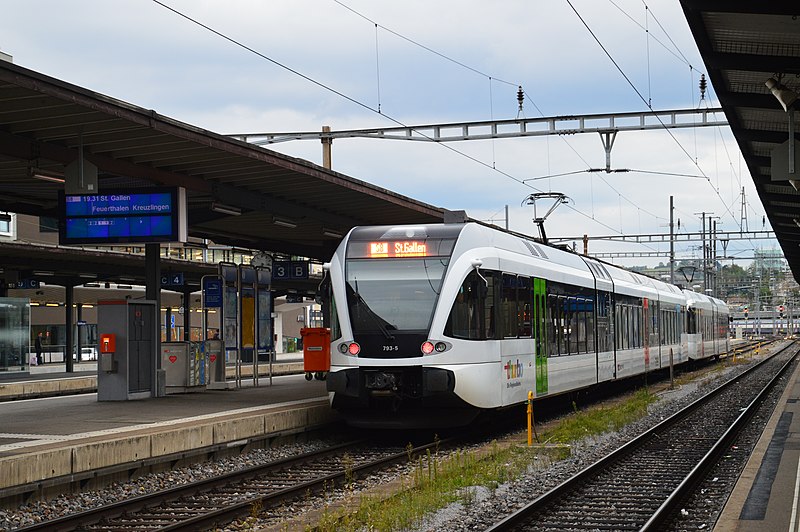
column 290, row 269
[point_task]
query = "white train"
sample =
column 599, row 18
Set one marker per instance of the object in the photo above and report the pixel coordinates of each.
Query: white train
column 433, row 324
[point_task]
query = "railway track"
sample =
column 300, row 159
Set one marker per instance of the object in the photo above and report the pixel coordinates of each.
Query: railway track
column 641, row 485
column 217, row 501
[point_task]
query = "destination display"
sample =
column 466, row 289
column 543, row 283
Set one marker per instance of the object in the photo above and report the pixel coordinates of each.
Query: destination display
column 123, row 216
column 397, row 249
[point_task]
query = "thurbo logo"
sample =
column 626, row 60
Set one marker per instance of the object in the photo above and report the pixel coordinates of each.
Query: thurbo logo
column 513, row 370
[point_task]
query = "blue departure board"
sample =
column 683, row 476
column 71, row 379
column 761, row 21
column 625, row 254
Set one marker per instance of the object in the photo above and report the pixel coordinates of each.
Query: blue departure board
column 124, row 216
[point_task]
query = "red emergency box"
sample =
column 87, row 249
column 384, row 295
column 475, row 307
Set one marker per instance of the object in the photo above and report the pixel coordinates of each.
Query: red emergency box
column 316, row 352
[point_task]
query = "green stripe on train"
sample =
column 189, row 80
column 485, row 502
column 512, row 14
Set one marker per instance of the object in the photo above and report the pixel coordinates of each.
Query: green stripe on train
column 539, row 308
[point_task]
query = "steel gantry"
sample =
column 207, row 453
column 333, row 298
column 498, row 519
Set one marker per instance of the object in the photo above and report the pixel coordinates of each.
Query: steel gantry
column 665, row 237
column 511, row 128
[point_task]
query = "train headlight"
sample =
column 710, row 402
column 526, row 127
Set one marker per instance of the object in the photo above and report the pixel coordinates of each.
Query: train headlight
column 427, row 347
column 440, row 347
column 354, row 349
column 343, row 348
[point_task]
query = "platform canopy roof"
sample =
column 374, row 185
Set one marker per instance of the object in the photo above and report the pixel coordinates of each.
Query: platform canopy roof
column 45, row 123
column 743, row 44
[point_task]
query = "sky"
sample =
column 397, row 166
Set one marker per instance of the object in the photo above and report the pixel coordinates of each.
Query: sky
column 248, row 66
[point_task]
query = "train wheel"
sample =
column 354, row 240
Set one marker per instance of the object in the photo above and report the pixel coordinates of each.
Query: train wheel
column 318, row 376
column 308, row 376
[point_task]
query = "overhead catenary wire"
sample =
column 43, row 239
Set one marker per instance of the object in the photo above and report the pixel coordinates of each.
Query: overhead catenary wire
column 377, row 68
column 366, row 106
column 677, row 53
column 490, row 78
column 416, row 43
column 639, row 94
column 378, row 111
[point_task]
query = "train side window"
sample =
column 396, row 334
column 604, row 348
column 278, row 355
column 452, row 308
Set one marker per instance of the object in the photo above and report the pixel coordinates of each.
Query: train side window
column 488, row 317
column 639, row 327
column 465, row 320
column 627, row 335
column 570, row 325
column 336, row 329
column 525, row 306
column 508, row 304
column 553, row 325
column 604, row 325
column 580, row 325
column 590, row 325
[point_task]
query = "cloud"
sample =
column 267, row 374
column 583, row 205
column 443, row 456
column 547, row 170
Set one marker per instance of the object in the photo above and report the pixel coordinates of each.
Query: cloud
column 144, row 54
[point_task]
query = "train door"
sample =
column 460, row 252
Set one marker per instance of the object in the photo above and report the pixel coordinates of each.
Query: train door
column 655, row 331
column 540, row 334
column 646, row 332
column 613, row 326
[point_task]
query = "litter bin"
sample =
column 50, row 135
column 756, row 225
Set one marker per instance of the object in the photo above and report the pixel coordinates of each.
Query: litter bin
column 316, row 352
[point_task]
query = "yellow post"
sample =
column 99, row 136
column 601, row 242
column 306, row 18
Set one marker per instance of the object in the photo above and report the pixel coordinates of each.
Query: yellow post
column 530, row 418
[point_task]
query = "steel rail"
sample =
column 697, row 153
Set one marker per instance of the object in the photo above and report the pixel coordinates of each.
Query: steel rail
column 218, row 517
column 211, row 518
column 664, row 512
column 523, row 514
column 114, row 510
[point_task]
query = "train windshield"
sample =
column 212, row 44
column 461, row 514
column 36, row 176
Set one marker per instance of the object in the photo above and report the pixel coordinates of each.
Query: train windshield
column 384, row 296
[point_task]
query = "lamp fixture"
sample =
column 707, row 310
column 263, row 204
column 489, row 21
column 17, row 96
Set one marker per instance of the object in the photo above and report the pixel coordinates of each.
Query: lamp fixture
column 331, row 233
column 87, row 275
column 283, row 222
column 46, row 175
column 796, row 221
column 43, row 273
column 225, row 209
column 785, row 96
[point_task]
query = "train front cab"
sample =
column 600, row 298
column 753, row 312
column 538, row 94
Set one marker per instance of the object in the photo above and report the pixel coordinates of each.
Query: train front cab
column 385, row 370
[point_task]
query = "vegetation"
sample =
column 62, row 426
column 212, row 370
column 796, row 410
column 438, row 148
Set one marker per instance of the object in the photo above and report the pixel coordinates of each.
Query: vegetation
column 595, row 421
column 438, row 481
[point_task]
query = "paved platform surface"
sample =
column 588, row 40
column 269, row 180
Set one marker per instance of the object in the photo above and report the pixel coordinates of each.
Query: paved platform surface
column 44, row 438
column 52, row 379
column 766, row 496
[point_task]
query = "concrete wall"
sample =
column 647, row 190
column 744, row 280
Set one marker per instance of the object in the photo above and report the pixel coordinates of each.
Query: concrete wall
column 90, row 451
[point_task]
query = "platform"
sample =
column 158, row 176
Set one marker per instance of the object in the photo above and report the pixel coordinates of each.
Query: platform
column 52, row 379
column 69, row 436
column 766, row 495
